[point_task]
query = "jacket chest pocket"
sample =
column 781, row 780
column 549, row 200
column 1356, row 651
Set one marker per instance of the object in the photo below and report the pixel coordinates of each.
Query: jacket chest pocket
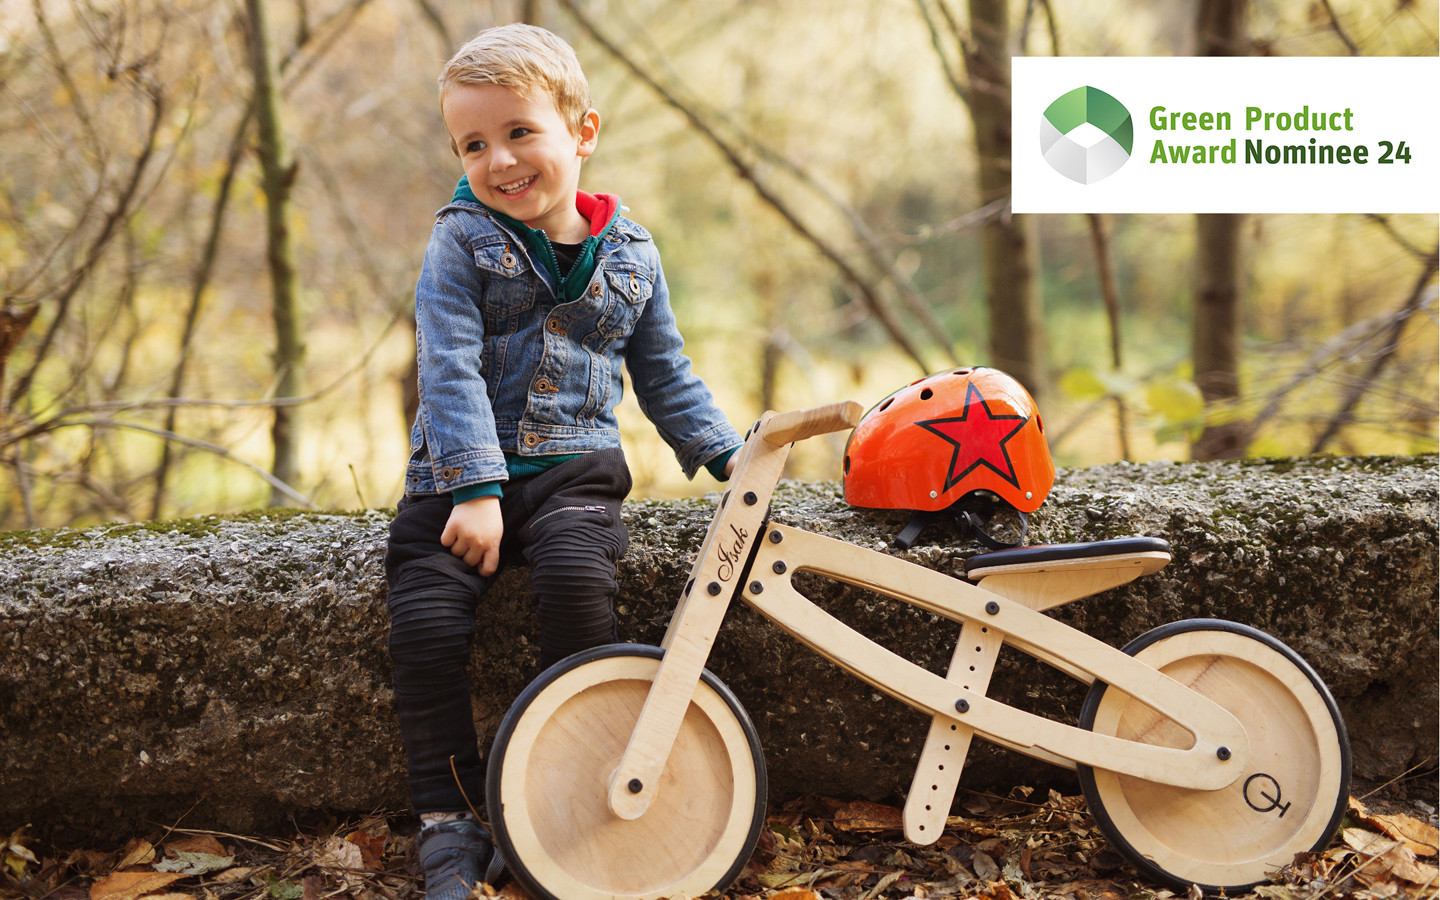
column 509, row 288
column 625, row 294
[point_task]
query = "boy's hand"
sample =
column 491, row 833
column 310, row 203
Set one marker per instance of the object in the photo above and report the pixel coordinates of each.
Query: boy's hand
column 473, row 533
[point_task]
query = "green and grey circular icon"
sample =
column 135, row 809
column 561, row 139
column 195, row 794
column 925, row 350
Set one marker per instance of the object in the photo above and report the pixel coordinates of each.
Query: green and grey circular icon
column 1086, row 135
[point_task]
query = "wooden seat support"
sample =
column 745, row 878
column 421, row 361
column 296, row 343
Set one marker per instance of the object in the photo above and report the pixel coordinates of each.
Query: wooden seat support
column 1044, row 585
column 937, row 775
column 1040, row 581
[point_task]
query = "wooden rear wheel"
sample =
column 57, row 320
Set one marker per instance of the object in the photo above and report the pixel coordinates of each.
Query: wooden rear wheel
column 548, row 777
column 1288, row 799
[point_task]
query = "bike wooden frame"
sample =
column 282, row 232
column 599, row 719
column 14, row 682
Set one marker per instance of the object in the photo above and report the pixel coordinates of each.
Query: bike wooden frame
column 1209, row 752
column 1004, row 608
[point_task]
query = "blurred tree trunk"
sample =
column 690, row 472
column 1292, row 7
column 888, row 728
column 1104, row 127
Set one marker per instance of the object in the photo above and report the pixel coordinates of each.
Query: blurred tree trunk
column 278, row 177
column 1215, row 334
column 1009, row 242
column 199, row 283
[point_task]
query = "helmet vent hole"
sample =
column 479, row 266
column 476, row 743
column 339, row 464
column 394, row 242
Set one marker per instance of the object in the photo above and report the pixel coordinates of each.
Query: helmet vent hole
column 961, row 372
column 926, row 394
column 1040, row 423
column 886, row 405
column 847, row 464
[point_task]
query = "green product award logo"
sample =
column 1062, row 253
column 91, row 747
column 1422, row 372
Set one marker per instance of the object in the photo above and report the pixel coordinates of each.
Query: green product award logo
column 1086, row 135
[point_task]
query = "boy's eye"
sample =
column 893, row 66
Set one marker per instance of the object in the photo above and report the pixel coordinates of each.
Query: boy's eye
column 518, row 132
column 474, row 146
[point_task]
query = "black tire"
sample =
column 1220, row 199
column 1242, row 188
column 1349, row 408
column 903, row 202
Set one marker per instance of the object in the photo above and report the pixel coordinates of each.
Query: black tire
column 1290, row 797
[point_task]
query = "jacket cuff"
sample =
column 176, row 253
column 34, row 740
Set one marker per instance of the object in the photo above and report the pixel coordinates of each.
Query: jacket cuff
column 472, row 491
column 716, row 466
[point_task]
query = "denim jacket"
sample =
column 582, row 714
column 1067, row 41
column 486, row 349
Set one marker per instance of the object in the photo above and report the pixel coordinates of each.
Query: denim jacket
column 504, row 368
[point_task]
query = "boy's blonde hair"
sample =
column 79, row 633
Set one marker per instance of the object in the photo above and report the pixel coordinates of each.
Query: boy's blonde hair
column 524, row 59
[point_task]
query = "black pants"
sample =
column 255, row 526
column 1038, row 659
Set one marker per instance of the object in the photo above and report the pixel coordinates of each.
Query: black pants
column 565, row 523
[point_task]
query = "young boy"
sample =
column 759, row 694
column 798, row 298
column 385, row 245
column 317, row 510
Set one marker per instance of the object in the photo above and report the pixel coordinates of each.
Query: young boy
column 531, row 297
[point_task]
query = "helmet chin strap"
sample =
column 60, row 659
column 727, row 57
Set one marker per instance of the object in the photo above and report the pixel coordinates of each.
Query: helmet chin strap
column 969, row 523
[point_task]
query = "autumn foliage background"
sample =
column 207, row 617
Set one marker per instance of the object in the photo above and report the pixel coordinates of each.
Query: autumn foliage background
column 810, row 169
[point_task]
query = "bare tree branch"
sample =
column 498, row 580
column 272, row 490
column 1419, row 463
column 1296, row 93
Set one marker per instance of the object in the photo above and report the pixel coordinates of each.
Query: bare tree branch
column 747, row 170
column 207, row 446
column 1385, row 223
column 1339, row 30
column 1402, row 317
column 951, row 69
column 119, row 213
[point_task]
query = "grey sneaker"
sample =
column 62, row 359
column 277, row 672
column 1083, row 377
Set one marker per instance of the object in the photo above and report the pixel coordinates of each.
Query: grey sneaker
column 454, row 856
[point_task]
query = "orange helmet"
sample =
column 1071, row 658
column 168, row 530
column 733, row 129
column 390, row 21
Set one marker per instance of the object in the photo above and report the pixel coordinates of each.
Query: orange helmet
column 936, row 441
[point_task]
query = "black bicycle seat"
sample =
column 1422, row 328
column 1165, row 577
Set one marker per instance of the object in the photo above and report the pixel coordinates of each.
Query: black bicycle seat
column 1044, row 553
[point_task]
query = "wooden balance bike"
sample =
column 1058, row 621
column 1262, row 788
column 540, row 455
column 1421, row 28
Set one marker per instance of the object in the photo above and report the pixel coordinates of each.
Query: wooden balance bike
column 1209, row 752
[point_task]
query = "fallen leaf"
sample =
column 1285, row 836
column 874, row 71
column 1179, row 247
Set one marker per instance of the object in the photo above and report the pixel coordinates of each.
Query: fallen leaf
column 186, row 863
column 777, row 880
column 1400, row 862
column 131, row 885
column 986, row 869
column 89, row 862
column 1364, row 840
column 795, row 893
column 1422, row 838
column 881, row 886
column 15, row 855
column 338, row 853
column 978, row 805
column 195, row 843
column 311, row 887
column 992, row 846
column 1001, row 891
column 15, row 844
column 862, row 815
column 282, row 888
column 239, row 873
column 372, row 848
column 139, row 852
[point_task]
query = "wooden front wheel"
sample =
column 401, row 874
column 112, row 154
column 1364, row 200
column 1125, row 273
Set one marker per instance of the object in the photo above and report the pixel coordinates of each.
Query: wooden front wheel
column 548, row 776
column 1295, row 784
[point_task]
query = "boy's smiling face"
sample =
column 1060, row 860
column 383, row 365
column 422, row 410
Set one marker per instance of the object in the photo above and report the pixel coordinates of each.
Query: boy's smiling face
column 520, row 156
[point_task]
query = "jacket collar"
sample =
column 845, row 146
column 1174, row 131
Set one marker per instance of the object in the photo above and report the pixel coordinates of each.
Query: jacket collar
column 600, row 210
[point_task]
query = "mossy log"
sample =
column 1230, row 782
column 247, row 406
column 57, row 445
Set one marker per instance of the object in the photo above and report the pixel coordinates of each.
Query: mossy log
column 231, row 671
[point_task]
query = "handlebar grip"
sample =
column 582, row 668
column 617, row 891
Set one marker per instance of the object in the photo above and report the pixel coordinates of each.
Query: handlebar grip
column 799, row 424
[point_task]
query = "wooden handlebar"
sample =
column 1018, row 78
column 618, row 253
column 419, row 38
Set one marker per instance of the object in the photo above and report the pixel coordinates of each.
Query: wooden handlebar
column 799, row 424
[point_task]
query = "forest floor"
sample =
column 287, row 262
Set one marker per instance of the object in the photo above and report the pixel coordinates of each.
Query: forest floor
column 1017, row 847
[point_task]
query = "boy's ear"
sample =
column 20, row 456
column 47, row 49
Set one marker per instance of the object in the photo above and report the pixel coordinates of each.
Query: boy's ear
column 589, row 133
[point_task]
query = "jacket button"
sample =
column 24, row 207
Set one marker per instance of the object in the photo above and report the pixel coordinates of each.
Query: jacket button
column 543, row 386
column 634, row 286
column 508, row 260
column 447, row 474
column 532, row 439
column 595, row 289
column 554, row 326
